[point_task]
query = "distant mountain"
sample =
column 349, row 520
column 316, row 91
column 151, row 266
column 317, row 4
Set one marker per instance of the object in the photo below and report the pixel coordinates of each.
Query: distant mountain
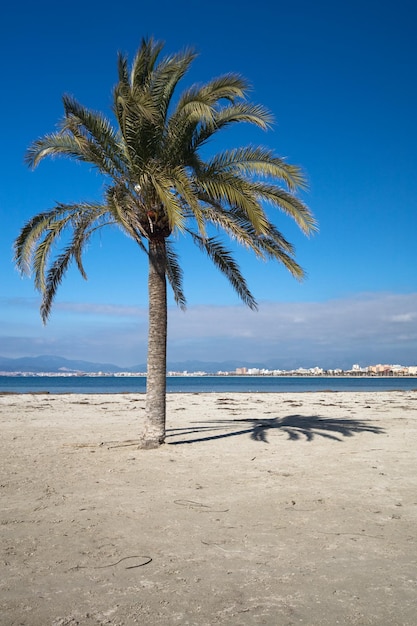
column 54, row 364
column 57, row 364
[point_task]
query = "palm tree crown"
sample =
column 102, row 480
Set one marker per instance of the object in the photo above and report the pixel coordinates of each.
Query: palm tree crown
column 157, row 181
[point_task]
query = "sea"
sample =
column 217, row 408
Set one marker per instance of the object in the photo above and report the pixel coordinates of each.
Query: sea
column 203, row 384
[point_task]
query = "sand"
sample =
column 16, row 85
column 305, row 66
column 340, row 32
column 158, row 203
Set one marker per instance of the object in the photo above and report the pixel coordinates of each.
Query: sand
column 275, row 508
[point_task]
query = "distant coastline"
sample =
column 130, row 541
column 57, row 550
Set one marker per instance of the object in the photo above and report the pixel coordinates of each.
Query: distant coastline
column 49, row 365
column 292, row 374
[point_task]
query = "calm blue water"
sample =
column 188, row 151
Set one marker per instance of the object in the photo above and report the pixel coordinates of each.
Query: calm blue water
column 198, row 384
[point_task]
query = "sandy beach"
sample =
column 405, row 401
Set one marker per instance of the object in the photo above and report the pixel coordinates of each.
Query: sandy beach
column 275, row 508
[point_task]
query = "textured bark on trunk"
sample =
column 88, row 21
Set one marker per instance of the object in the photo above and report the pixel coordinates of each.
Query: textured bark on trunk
column 154, row 430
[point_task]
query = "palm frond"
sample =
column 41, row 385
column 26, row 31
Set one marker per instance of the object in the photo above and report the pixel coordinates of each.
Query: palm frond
column 54, row 144
column 228, row 87
column 40, row 235
column 126, row 213
column 44, row 248
column 257, row 161
column 234, row 223
column 89, row 219
column 133, row 107
column 225, row 262
column 237, row 226
column 236, row 113
column 26, row 242
column 289, row 204
column 84, row 136
column 174, row 275
column 275, row 252
column 102, row 139
column 184, row 187
column 166, row 77
column 53, row 280
column 144, row 62
column 59, row 267
column 273, row 233
column 269, row 245
column 169, row 202
column 197, row 107
column 235, row 191
column 244, row 112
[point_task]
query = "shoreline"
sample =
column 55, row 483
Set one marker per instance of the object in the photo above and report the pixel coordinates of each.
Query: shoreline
column 199, row 393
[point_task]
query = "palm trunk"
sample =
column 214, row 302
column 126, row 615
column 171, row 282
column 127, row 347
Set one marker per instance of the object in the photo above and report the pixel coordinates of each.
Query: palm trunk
column 154, row 430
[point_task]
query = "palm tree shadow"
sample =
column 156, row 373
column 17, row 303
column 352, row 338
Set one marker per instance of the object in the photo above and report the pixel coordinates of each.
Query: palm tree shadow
column 295, row 427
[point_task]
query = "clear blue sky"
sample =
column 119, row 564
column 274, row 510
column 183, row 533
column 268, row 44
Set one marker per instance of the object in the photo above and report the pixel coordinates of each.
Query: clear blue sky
column 340, row 80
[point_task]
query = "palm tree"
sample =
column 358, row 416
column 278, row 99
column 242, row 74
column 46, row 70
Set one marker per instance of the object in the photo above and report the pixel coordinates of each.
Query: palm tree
column 158, row 185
